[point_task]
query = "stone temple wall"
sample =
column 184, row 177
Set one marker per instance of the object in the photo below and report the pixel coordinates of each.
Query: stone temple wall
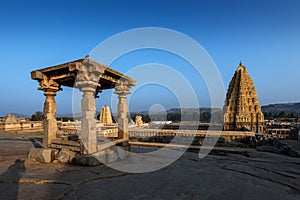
column 11, row 123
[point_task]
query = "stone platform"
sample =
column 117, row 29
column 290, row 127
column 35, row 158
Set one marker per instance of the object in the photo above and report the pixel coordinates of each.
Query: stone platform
column 69, row 151
column 227, row 175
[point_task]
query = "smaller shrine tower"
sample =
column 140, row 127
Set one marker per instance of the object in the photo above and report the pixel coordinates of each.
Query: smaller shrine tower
column 105, row 116
column 138, row 120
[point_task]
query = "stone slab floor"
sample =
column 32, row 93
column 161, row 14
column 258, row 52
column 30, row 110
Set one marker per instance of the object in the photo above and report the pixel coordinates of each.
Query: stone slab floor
column 224, row 176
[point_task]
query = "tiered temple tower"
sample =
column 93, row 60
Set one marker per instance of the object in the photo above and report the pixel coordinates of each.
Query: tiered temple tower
column 105, row 116
column 138, row 120
column 242, row 109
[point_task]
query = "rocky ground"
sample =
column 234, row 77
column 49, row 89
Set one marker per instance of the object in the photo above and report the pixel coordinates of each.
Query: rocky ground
column 255, row 175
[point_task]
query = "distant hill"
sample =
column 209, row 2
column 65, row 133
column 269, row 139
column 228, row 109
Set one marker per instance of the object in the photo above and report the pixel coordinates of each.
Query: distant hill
column 273, row 108
column 179, row 110
column 279, row 107
column 185, row 114
column 20, row 115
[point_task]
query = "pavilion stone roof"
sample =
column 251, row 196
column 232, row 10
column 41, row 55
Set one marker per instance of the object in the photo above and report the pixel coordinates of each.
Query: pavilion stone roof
column 65, row 74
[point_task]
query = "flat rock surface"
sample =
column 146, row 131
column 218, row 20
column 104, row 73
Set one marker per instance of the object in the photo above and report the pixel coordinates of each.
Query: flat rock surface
column 259, row 175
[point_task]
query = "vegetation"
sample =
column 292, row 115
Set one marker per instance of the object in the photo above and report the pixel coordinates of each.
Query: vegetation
column 282, row 111
column 282, row 116
column 37, row 116
column 66, row 119
column 279, row 112
column 178, row 115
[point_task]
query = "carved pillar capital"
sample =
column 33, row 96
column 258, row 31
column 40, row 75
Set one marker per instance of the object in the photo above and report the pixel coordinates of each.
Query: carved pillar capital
column 49, row 86
column 122, row 88
column 88, row 76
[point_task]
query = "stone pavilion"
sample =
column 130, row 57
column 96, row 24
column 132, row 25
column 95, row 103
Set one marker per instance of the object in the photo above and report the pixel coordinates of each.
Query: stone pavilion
column 90, row 77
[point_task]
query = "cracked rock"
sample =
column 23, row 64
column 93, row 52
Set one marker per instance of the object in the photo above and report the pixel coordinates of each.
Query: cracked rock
column 111, row 156
column 40, row 155
column 100, row 156
column 86, row 160
column 66, row 156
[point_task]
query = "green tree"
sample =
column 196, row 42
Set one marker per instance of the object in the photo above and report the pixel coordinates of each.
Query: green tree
column 282, row 114
column 291, row 115
column 33, row 118
column 37, row 116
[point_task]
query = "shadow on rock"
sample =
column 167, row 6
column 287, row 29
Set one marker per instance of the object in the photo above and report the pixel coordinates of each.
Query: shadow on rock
column 9, row 180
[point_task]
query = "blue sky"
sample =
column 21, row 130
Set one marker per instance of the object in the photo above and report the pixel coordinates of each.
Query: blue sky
column 264, row 34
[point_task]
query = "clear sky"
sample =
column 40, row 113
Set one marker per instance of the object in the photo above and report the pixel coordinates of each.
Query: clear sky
column 264, row 34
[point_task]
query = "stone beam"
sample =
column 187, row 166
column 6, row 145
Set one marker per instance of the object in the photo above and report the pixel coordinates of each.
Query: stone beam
column 37, row 75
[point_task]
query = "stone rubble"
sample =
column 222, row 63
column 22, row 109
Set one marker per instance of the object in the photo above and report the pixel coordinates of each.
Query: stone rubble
column 275, row 145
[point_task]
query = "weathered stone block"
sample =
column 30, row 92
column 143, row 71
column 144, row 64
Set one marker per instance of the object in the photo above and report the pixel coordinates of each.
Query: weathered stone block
column 86, row 160
column 55, row 153
column 111, row 156
column 66, row 156
column 40, row 155
column 122, row 153
column 100, row 156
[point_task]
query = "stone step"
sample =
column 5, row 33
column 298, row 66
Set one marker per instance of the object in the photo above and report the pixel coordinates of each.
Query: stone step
column 106, row 145
column 66, row 142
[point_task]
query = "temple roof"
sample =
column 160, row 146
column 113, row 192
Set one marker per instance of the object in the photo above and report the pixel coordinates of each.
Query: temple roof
column 65, row 74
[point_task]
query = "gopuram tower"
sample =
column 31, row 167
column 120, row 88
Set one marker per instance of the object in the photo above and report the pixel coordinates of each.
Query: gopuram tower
column 242, row 109
column 105, row 116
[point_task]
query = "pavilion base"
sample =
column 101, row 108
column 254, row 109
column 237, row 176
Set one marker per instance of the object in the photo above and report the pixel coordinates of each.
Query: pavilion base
column 65, row 151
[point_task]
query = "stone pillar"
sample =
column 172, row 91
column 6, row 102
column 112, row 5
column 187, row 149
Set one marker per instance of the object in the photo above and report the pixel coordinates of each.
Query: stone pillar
column 122, row 117
column 122, row 90
column 87, row 81
column 50, row 88
column 50, row 124
column 88, row 123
